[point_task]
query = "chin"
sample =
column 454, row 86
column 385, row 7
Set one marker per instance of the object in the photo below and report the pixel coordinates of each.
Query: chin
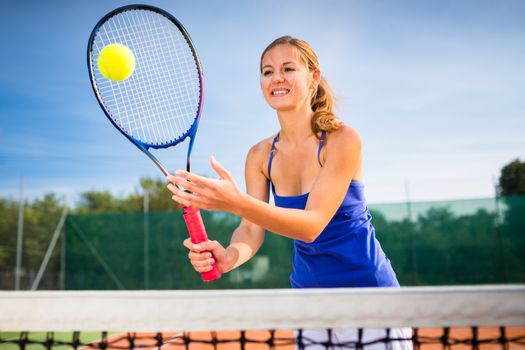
column 281, row 105
column 281, row 108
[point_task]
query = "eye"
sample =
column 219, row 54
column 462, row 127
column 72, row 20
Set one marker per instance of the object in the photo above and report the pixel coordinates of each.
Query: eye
column 267, row 73
column 289, row 69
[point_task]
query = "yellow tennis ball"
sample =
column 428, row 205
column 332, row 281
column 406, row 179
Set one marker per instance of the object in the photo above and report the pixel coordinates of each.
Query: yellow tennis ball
column 116, row 62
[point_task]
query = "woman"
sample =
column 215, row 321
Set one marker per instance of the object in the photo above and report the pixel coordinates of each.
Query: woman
column 314, row 169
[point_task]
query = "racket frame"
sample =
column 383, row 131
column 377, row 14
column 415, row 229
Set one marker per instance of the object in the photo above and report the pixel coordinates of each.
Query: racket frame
column 144, row 147
column 192, row 216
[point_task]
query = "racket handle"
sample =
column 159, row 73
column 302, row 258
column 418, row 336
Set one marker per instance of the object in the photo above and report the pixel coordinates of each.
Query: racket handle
column 195, row 226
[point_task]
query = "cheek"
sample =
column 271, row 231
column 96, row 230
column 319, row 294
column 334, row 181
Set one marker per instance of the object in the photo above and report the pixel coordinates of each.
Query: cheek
column 297, row 84
column 264, row 86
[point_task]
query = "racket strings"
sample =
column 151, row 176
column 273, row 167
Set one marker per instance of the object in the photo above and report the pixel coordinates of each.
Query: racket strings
column 148, row 123
column 156, row 75
column 161, row 99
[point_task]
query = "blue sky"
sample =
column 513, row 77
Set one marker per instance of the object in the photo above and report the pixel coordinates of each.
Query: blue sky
column 435, row 88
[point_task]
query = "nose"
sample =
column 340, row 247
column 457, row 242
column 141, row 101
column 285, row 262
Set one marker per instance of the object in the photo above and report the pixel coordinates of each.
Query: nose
column 277, row 77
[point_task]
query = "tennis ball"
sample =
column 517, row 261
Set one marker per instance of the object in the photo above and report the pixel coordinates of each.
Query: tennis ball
column 116, row 62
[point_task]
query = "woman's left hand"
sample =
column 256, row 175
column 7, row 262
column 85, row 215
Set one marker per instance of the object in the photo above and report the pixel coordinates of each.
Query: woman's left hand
column 211, row 194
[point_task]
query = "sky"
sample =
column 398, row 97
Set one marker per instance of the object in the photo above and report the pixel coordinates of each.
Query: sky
column 435, row 89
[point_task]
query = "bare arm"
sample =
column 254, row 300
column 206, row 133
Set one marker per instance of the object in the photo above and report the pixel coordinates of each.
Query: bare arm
column 343, row 156
column 247, row 237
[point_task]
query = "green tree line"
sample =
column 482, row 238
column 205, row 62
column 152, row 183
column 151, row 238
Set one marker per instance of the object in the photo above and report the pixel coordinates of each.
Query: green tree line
column 42, row 215
column 439, row 247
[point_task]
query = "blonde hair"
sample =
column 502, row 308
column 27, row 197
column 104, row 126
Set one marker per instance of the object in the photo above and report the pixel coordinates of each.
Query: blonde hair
column 322, row 102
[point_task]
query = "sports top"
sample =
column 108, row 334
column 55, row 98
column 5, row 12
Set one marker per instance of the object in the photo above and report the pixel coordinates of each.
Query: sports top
column 346, row 253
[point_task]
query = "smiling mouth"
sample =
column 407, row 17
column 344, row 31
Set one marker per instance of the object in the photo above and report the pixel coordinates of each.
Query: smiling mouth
column 280, row 92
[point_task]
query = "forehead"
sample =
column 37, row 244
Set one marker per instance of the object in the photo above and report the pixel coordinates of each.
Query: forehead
column 280, row 54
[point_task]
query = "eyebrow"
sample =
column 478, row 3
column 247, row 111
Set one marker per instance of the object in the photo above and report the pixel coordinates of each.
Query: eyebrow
column 284, row 64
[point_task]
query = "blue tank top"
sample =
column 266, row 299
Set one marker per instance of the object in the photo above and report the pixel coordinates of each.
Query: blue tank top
column 346, row 253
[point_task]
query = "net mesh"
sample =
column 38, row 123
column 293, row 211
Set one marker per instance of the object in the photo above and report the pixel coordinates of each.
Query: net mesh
column 485, row 338
column 490, row 317
column 159, row 102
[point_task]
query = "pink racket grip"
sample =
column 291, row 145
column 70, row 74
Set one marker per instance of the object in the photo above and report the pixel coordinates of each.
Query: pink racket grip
column 195, row 226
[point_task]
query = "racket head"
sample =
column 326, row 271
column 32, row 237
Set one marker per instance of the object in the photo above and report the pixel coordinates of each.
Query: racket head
column 160, row 104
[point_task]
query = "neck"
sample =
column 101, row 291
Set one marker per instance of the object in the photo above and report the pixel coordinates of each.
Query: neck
column 295, row 125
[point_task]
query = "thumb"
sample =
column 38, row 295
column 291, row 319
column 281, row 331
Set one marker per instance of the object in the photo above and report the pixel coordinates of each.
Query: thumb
column 207, row 246
column 219, row 169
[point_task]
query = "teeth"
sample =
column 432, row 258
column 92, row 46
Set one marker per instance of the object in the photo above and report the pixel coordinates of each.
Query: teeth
column 280, row 92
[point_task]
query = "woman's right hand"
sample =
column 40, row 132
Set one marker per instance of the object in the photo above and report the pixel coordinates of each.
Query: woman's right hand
column 203, row 255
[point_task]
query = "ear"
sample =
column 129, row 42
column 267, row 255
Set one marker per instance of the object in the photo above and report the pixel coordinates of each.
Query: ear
column 316, row 75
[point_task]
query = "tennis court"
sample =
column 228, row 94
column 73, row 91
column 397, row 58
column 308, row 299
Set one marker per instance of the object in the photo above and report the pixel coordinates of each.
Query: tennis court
column 482, row 317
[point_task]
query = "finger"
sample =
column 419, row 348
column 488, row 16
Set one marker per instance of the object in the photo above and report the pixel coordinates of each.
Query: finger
column 170, row 177
column 186, row 185
column 174, row 189
column 176, row 180
column 219, row 169
column 203, row 269
column 202, row 263
column 201, row 260
column 201, row 250
column 186, row 199
column 206, row 246
column 193, row 256
column 182, row 182
column 196, row 179
column 190, row 245
column 179, row 193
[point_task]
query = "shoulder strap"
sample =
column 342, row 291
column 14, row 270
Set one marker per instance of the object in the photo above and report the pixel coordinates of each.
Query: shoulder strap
column 270, row 162
column 323, row 135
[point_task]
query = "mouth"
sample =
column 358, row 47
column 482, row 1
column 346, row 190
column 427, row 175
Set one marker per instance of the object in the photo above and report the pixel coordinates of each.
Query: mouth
column 280, row 92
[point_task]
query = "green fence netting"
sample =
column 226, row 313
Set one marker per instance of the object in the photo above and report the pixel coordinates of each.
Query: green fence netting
column 137, row 251
column 434, row 243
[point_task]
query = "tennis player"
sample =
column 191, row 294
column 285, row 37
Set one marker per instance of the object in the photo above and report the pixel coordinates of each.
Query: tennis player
column 313, row 167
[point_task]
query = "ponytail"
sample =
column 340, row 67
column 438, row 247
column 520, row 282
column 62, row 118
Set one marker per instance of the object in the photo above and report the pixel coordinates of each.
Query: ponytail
column 322, row 103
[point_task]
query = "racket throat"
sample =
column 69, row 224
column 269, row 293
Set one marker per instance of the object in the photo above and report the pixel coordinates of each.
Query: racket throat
column 190, row 148
column 153, row 159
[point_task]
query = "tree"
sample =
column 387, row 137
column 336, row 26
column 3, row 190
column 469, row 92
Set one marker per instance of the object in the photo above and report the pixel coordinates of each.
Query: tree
column 41, row 217
column 92, row 202
column 8, row 227
column 512, row 230
column 512, row 178
column 159, row 195
column 97, row 202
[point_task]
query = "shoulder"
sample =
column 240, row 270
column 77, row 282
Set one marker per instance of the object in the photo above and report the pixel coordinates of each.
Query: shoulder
column 261, row 149
column 259, row 154
column 343, row 151
column 345, row 138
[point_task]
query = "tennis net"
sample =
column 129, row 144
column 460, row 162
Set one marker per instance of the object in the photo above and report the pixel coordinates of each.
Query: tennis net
column 481, row 317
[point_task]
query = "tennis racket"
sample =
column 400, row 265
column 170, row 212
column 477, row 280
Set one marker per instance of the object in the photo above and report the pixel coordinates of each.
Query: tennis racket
column 160, row 104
